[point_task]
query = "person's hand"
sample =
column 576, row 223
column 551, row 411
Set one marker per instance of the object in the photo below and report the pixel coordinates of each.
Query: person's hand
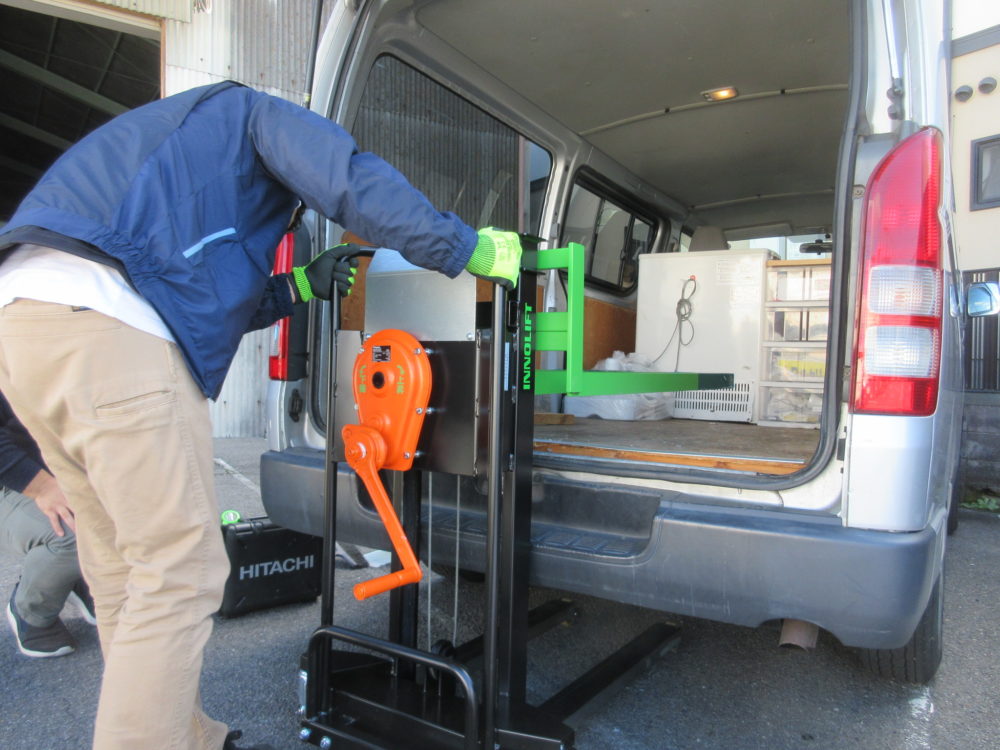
column 44, row 490
column 333, row 268
column 497, row 257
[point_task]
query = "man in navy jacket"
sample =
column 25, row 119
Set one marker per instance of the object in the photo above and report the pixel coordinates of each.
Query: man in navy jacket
column 127, row 277
column 36, row 522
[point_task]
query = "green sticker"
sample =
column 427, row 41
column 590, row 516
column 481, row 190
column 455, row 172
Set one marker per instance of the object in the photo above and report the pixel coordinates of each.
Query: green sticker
column 231, row 516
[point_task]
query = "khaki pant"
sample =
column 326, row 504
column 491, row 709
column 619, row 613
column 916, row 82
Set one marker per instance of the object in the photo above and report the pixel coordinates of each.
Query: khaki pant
column 126, row 431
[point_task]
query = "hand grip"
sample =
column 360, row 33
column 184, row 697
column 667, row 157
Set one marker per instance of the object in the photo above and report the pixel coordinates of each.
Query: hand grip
column 365, row 452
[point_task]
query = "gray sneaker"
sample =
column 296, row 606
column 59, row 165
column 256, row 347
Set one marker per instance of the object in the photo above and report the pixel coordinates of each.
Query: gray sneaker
column 80, row 598
column 55, row 640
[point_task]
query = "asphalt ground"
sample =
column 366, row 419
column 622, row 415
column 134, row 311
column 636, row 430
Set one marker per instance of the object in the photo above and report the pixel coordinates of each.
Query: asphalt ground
column 724, row 687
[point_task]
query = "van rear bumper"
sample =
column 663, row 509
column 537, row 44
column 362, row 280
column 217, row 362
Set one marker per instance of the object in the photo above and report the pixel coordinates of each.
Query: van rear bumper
column 741, row 566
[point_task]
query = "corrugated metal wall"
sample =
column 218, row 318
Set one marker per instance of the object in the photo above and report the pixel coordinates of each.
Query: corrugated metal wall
column 179, row 10
column 264, row 44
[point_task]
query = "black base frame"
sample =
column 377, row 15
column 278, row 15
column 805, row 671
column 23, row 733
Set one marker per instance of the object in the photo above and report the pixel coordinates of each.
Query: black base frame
column 393, row 695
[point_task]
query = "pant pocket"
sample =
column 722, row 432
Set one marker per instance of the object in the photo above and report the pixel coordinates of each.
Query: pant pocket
column 139, row 401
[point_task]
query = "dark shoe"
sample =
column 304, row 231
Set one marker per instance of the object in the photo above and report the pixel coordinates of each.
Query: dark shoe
column 55, row 640
column 80, row 598
column 235, row 735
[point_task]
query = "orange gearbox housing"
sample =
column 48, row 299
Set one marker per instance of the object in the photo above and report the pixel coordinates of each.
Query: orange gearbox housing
column 392, row 386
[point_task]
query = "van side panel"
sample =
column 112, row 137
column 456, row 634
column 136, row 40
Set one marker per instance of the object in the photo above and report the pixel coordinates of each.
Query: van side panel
column 889, row 471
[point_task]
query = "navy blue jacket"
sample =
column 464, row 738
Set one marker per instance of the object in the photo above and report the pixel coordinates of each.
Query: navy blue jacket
column 189, row 196
column 20, row 459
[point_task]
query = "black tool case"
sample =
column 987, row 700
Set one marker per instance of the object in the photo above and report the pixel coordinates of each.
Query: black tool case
column 270, row 566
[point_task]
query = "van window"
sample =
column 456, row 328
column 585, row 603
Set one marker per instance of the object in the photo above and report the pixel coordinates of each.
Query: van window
column 986, row 173
column 461, row 158
column 795, row 247
column 612, row 237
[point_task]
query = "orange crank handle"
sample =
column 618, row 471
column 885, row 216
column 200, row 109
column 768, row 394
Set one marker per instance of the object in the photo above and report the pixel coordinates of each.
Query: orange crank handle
column 362, row 459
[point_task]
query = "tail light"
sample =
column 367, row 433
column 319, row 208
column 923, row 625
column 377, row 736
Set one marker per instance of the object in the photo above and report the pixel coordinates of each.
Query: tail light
column 279, row 354
column 898, row 333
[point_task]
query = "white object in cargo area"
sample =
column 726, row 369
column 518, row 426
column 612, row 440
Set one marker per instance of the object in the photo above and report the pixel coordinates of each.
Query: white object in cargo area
column 628, row 407
column 723, row 330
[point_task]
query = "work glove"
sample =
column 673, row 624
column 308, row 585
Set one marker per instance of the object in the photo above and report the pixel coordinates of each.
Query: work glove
column 497, row 257
column 333, row 268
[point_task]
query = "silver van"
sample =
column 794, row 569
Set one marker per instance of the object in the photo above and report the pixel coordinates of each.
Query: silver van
column 762, row 190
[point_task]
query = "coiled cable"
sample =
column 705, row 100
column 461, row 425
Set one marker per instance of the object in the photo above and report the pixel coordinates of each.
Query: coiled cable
column 682, row 311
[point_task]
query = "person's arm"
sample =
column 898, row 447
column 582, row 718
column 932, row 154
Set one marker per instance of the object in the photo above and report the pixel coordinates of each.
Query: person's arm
column 278, row 302
column 319, row 161
column 20, row 460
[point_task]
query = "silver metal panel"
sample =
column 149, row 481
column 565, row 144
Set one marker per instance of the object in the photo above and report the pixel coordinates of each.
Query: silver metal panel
column 424, row 303
column 441, row 313
column 453, row 438
column 889, row 471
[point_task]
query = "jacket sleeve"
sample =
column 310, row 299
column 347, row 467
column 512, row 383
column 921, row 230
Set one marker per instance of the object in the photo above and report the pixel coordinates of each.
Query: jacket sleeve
column 17, row 466
column 319, row 161
column 274, row 305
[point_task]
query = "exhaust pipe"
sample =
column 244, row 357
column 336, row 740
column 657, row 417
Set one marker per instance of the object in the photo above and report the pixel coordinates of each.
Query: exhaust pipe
column 798, row 634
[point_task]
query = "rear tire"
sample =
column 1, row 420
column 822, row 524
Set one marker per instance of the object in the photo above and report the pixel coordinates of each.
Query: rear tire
column 919, row 659
column 956, row 499
column 957, row 494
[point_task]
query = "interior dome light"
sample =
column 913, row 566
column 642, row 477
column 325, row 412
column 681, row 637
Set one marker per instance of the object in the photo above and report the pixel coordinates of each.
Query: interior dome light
column 718, row 95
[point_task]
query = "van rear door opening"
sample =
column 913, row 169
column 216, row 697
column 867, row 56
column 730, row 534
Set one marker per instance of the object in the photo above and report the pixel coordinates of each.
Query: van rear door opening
column 750, row 200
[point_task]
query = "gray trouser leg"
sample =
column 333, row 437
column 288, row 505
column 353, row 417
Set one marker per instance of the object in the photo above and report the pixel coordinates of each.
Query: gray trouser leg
column 50, row 566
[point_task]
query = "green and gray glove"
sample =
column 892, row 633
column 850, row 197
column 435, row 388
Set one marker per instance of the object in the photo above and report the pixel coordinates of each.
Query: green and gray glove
column 333, row 268
column 497, row 257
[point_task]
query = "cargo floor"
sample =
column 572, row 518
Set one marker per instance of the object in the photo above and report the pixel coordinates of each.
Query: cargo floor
column 688, row 442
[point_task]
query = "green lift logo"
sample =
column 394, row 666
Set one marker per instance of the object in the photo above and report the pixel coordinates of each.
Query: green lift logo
column 527, row 349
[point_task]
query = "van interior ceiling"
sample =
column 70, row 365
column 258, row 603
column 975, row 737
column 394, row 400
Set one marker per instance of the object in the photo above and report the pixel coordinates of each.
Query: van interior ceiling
column 635, row 80
column 630, row 77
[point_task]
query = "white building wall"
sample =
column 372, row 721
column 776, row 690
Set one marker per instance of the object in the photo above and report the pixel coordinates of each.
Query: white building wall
column 977, row 117
column 976, row 56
